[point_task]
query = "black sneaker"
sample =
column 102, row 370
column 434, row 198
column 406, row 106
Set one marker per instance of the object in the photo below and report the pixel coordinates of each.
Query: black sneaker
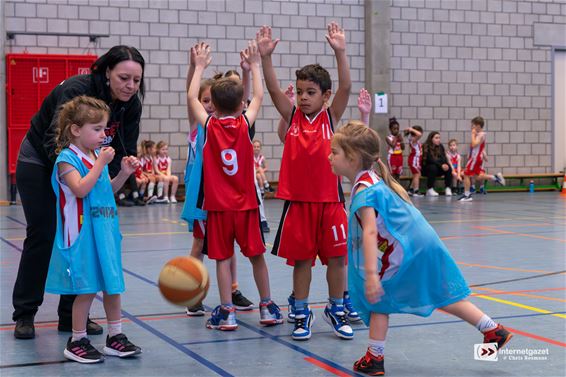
column 24, row 328
column 370, row 364
column 82, row 351
column 265, row 227
column 92, row 328
column 139, row 201
column 120, row 346
column 196, row 311
column 240, row 301
column 125, row 203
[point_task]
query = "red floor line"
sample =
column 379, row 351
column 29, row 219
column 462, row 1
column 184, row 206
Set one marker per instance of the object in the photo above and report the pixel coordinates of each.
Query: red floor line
column 326, row 367
column 537, row 337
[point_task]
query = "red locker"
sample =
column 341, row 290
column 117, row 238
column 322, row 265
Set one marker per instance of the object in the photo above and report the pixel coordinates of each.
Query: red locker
column 29, row 79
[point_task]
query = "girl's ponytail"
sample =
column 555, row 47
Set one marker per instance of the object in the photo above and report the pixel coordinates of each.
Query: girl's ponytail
column 391, row 182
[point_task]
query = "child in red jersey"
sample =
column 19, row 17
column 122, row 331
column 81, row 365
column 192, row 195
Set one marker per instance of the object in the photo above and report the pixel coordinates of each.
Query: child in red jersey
column 229, row 193
column 162, row 167
column 314, row 220
column 396, row 147
column 474, row 166
column 415, row 158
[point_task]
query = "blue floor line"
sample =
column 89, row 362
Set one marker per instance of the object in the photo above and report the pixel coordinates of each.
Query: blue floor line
column 16, row 220
column 267, row 335
column 11, row 244
column 210, row 365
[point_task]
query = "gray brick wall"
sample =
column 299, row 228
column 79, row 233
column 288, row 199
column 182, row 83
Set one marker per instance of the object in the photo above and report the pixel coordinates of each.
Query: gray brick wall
column 164, row 30
column 454, row 59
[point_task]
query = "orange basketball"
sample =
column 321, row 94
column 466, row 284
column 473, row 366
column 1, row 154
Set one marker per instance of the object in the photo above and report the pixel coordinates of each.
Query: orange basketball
column 184, row 281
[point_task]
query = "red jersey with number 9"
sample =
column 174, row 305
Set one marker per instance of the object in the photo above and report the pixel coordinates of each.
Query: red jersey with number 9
column 228, row 165
column 306, row 175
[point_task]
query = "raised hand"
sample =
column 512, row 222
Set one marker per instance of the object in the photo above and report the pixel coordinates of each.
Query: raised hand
column 106, row 155
column 192, row 57
column 243, row 63
column 201, row 54
column 251, row 54
column 265, row 42
column 336, row 37
column 364, row 101
column 290, row 93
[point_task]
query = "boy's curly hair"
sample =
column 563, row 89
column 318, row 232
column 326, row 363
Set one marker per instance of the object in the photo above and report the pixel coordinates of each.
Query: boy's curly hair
column 316, row 74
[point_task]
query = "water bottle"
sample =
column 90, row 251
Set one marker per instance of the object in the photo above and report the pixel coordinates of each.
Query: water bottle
column 532, row 186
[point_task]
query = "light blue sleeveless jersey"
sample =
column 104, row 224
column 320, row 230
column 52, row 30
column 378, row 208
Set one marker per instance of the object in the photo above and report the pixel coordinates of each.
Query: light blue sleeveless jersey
column 93, row 263
column 193, row 177
column 428, row 277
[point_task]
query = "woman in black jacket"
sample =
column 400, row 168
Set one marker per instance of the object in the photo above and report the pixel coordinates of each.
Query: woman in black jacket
column 435, row 164
column 117, row 78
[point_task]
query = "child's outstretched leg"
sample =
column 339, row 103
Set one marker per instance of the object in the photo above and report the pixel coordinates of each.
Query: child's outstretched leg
column 117, row 344
column 78, row 346
column 467, row 196
column 238, row 299
column 492, row 332
column 372, row 362
column 223, row 317
column 269, row 312
column 335, row 313
column 304, row 317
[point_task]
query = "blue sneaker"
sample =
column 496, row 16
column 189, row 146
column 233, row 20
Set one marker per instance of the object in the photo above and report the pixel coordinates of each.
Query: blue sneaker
column 291, row 311
column 472, row 189
column 337, row 318
column 222, row 319
column 270, row 314
column 499, row 179
column 353, row 315
column 482, row 190
column 303, row 322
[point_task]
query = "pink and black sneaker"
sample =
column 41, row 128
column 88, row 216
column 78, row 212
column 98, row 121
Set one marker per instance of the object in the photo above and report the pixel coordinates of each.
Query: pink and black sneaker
column 120, row 346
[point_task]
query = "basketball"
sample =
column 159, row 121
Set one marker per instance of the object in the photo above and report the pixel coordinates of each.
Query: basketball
column 184, row 281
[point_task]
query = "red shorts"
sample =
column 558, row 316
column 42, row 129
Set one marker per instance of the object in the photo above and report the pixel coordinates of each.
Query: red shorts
column 474, row 166
column 395, row 163
column 225, row 227
column 199, row 229
column 414, row 163
column 309, row 229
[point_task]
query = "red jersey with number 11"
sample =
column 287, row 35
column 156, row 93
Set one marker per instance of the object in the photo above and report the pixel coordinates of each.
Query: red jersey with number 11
column 228, row 165
column 306, row 175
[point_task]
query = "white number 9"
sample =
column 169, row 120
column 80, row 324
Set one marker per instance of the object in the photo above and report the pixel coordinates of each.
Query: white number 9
column 230, row 159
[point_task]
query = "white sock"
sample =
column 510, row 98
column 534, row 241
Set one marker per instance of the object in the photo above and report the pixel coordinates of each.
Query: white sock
column 466, row 193
column 78, row 335
column 135, row 195
column 376, row 347
column 150, row 187
column 114, row 328
column 266, row 184
column 160, row 189
column 486, row 324
column 121, row 196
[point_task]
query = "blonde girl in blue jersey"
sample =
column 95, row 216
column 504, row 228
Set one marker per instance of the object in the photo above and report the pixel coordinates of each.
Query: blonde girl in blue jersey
column 396, row 261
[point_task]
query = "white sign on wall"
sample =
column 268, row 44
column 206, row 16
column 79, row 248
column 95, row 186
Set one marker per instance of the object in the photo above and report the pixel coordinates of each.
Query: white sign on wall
column 381, row 103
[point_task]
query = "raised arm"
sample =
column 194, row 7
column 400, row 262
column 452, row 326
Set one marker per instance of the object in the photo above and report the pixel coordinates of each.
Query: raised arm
column 190, row 74
column 337, row 40
column 364, row 105
column 266, row 46
column 202, row 57
column 251, row 56
column 246, row 79
column 283, row 125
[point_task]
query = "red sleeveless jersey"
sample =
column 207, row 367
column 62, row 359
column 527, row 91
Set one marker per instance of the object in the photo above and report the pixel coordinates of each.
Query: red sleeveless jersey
column 306, row 175
column 228, row 165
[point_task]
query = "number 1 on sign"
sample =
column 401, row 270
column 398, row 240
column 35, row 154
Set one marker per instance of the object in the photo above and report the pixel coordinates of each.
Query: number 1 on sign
column 380, row 103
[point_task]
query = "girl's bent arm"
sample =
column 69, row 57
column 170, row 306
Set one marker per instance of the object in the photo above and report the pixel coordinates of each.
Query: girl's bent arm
column 80, row 186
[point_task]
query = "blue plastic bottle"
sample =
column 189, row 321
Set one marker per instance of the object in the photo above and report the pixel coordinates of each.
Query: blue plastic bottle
column 532, row 186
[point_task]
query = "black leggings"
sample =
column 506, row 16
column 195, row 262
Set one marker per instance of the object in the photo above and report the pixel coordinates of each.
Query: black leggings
column 38, row 201
column 433, row 171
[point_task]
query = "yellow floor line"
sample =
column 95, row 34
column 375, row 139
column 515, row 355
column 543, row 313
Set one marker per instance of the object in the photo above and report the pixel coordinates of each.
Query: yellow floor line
column 527, row 307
